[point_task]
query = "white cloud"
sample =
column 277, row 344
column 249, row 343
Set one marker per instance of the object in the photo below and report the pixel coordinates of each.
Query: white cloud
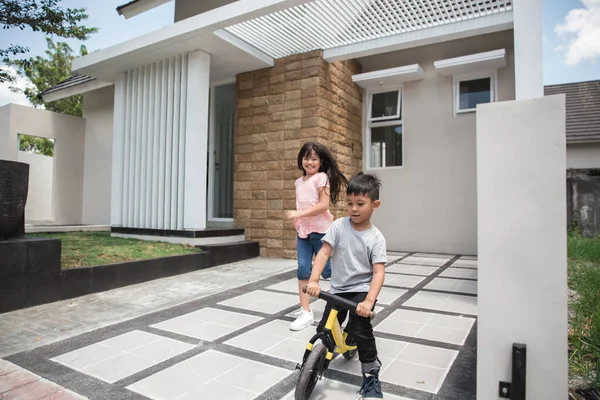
column 582, row 28
column 7, row 96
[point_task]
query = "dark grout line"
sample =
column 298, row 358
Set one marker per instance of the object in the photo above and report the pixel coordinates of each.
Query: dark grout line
column 411, row 339
column 441, row 312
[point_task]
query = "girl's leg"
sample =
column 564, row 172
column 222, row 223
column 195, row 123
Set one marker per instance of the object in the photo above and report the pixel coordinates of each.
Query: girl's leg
column 316, row 243
column 305, row 252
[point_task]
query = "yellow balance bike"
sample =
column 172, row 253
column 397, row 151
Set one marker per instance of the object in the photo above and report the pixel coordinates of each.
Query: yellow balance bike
column 317, row 357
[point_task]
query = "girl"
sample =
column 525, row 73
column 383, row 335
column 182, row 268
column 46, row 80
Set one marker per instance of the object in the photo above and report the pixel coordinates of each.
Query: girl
column 320, row 184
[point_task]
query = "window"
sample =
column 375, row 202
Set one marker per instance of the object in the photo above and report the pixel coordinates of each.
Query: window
column 385, row 129
column 470, row 92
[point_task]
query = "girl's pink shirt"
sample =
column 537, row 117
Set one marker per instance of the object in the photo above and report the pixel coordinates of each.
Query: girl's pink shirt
column 307, row 196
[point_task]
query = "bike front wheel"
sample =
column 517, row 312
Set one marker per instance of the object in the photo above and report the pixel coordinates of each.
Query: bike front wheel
column 310, row 372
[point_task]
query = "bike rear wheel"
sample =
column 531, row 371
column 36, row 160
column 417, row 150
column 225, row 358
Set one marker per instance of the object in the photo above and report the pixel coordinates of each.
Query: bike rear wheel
column 311, row 370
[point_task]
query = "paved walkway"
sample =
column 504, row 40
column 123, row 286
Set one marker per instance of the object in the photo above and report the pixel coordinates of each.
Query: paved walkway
column 184, row 338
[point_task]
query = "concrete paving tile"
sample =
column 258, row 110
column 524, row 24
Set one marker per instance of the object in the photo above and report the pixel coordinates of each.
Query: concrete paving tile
column 427, row 300
column 414, row 260
column 218, row 390
column 408, row 269
column 288, row 349
column 468, row 258
column 162, row 349
column 453, row 285
column 86, row 356
column 119, row 367
column 255, row 341
column 388, row 295
column 447, row 257
column 415, row 376
column 207, row 323
column 407, row 281
column 168, row 384
column 428, row 355
column 210, row 364
column 426, row 325
column 465, row 263
column 130, row 340
column 460, row 273
column 262, row 301
column 253, row 376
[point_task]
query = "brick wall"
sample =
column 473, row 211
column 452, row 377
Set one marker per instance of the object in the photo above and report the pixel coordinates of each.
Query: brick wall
column 302, row 98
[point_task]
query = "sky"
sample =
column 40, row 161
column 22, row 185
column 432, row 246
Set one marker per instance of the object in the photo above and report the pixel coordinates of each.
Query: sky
column 571, row 37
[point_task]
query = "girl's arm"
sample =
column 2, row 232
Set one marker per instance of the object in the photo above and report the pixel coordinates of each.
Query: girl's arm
column 320, row 207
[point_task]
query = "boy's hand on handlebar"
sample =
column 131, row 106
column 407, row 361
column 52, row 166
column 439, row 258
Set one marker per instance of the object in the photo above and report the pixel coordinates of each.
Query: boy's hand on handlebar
column 313, row 289
column 364, row 309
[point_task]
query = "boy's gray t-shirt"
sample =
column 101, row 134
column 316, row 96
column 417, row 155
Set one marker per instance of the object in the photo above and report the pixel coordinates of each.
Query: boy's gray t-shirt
column 354, row 253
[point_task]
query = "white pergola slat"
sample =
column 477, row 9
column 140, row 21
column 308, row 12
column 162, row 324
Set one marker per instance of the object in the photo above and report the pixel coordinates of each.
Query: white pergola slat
column 327, row 24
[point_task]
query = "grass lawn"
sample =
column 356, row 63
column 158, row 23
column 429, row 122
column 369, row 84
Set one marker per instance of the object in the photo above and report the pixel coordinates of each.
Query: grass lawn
column 85, row 249
column 584, row 311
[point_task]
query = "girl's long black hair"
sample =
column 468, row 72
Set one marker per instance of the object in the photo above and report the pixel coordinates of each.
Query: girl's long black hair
column 328, row 165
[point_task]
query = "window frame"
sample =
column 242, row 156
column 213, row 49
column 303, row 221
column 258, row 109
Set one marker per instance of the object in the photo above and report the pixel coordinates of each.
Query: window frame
column 456, row 81
column 370, row 123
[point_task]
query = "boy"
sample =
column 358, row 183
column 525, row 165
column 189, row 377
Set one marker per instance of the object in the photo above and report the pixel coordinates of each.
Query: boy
column 357, row 265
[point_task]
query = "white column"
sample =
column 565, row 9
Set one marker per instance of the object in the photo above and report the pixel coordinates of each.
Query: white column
column 529, row 72
column 522, row 245
column 196, row 140
column 116, row 200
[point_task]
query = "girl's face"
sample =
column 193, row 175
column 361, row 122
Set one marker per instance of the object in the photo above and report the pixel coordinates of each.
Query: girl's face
column 311, row 163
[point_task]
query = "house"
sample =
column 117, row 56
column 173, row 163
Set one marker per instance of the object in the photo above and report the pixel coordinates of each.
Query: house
column 198, row 124
column 583, row 122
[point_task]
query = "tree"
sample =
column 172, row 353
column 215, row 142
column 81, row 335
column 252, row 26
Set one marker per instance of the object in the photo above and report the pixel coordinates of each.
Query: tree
column 44, row 73
column 36, row 145
column 41, row 16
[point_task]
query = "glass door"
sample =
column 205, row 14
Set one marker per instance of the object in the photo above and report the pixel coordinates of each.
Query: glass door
column 221, row 152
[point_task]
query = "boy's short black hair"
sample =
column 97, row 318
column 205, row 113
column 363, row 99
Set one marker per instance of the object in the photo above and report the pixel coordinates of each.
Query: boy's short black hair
column 364, row 184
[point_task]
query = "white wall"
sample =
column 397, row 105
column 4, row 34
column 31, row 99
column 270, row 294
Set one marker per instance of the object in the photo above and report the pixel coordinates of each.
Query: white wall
column 430, row 204
column 68, row 132
column 522, row 267
column 583, row 155
column 98, row 113
column 41, row 182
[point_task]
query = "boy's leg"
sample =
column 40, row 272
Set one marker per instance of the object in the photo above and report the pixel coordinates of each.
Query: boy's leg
column 315, row 241
column 304, row 251
column 341, row 317
column 361, row 330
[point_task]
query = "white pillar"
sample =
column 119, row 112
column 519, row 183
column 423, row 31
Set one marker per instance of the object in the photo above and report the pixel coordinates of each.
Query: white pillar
column 116, row 200
column 529, row 72
column 196, row 140
column 522, row 245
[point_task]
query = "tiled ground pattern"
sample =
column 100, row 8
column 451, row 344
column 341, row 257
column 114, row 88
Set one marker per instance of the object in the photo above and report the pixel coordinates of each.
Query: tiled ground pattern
column 237, row 345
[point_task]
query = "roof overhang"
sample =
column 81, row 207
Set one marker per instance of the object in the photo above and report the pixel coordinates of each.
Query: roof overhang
column 423, row 37
column 137, row 7
column 486, row 61
column 389, row 77
column 63, row 93
column 229, row 55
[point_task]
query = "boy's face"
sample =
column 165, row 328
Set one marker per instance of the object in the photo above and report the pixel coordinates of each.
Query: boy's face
column 360, row 207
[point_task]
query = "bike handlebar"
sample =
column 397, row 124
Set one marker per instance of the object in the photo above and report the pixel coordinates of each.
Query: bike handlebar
column 339, row 301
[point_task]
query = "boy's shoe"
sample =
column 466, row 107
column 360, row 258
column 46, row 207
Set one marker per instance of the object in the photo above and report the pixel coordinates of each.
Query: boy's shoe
column 371, row 387
column 304, row 320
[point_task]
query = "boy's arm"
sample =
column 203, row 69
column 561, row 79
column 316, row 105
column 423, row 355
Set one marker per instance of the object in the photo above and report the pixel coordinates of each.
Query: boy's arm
column 318, row 267
column 364, row 308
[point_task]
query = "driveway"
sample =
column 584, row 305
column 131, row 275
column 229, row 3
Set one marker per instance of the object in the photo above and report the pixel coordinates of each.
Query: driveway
column 233, row 341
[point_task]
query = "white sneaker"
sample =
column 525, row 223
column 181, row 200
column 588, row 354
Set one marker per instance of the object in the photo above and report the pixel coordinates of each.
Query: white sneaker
column 304, row 320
